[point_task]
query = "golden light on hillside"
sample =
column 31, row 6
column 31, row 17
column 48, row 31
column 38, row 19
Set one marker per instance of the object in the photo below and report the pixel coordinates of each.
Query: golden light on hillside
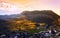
column 21, row 25
column 18, row 21
column 42, row 24
column 22, row 28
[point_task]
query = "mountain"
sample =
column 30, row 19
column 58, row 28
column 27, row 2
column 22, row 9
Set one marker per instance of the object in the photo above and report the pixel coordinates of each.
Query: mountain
column 40, row 16
column 45, row 16
column 9, row 17
column 37, row 16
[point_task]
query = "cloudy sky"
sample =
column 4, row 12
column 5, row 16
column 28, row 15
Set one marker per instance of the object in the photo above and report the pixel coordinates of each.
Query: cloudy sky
column 17, row 6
